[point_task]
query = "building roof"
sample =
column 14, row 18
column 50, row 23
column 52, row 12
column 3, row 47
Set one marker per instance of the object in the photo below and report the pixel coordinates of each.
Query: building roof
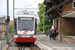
column 54, row 7
column 2, row 20
column 47, row 1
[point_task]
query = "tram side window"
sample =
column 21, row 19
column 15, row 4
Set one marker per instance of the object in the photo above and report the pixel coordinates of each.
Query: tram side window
column 15, row 25
column 35, row 26
column 35, row 22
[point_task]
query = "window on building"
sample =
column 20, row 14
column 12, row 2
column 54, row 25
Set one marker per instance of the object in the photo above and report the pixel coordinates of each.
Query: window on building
column 0, row 34
column 73, row 4
column 0, row 26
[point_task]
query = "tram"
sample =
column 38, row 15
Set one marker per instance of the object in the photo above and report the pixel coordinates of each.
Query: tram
column 25, row 26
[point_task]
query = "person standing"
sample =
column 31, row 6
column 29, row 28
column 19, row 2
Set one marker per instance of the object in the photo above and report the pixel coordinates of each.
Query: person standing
column 47, row 33
column 54, row 34
column 50, row 34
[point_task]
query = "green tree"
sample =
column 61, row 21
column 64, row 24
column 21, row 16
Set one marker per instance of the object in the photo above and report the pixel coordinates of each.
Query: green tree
column 40, row 14
column 10, row 28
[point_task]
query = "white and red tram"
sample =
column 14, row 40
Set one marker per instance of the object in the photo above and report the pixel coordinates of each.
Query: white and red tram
column 25, row 28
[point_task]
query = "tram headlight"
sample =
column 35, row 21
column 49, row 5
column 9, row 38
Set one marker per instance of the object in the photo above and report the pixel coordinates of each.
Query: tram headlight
column 31, row 36
column 34, row 36
column 20, row 36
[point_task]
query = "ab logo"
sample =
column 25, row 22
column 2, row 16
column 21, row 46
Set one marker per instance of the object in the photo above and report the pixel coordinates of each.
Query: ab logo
column 25, row 32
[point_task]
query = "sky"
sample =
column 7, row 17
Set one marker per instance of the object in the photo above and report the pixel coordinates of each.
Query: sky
column 18, row 4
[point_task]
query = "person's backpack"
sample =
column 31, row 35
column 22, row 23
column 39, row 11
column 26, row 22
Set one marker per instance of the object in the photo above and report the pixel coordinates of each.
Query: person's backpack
column 50, row 32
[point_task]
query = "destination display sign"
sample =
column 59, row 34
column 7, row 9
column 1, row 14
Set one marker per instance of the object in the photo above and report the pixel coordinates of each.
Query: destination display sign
column 24, row 18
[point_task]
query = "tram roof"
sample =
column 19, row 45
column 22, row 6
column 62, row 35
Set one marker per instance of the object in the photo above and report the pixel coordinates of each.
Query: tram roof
column 25, row 15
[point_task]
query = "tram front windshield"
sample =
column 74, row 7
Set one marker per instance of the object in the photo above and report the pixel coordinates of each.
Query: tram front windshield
column 25, row 23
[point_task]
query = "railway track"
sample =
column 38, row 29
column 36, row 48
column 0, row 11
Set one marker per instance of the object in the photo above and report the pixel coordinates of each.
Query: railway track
column 23, row 47
column 32, row 47
column 14, row 46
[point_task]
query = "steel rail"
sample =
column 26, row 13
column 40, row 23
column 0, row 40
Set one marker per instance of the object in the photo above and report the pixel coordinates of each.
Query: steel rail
column 32, row 47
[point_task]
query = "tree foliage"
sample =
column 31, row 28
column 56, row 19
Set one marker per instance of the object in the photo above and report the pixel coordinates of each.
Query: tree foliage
column 46, row 21
column 10, row 28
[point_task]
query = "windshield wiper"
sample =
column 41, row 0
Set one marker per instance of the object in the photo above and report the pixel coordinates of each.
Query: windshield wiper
column 26, row 29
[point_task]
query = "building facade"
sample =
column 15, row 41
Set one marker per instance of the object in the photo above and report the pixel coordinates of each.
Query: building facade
column 2, row 27
column 63, row 15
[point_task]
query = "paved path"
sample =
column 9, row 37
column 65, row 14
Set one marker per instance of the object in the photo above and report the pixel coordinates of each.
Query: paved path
column 10, row 36
column 54, row 44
